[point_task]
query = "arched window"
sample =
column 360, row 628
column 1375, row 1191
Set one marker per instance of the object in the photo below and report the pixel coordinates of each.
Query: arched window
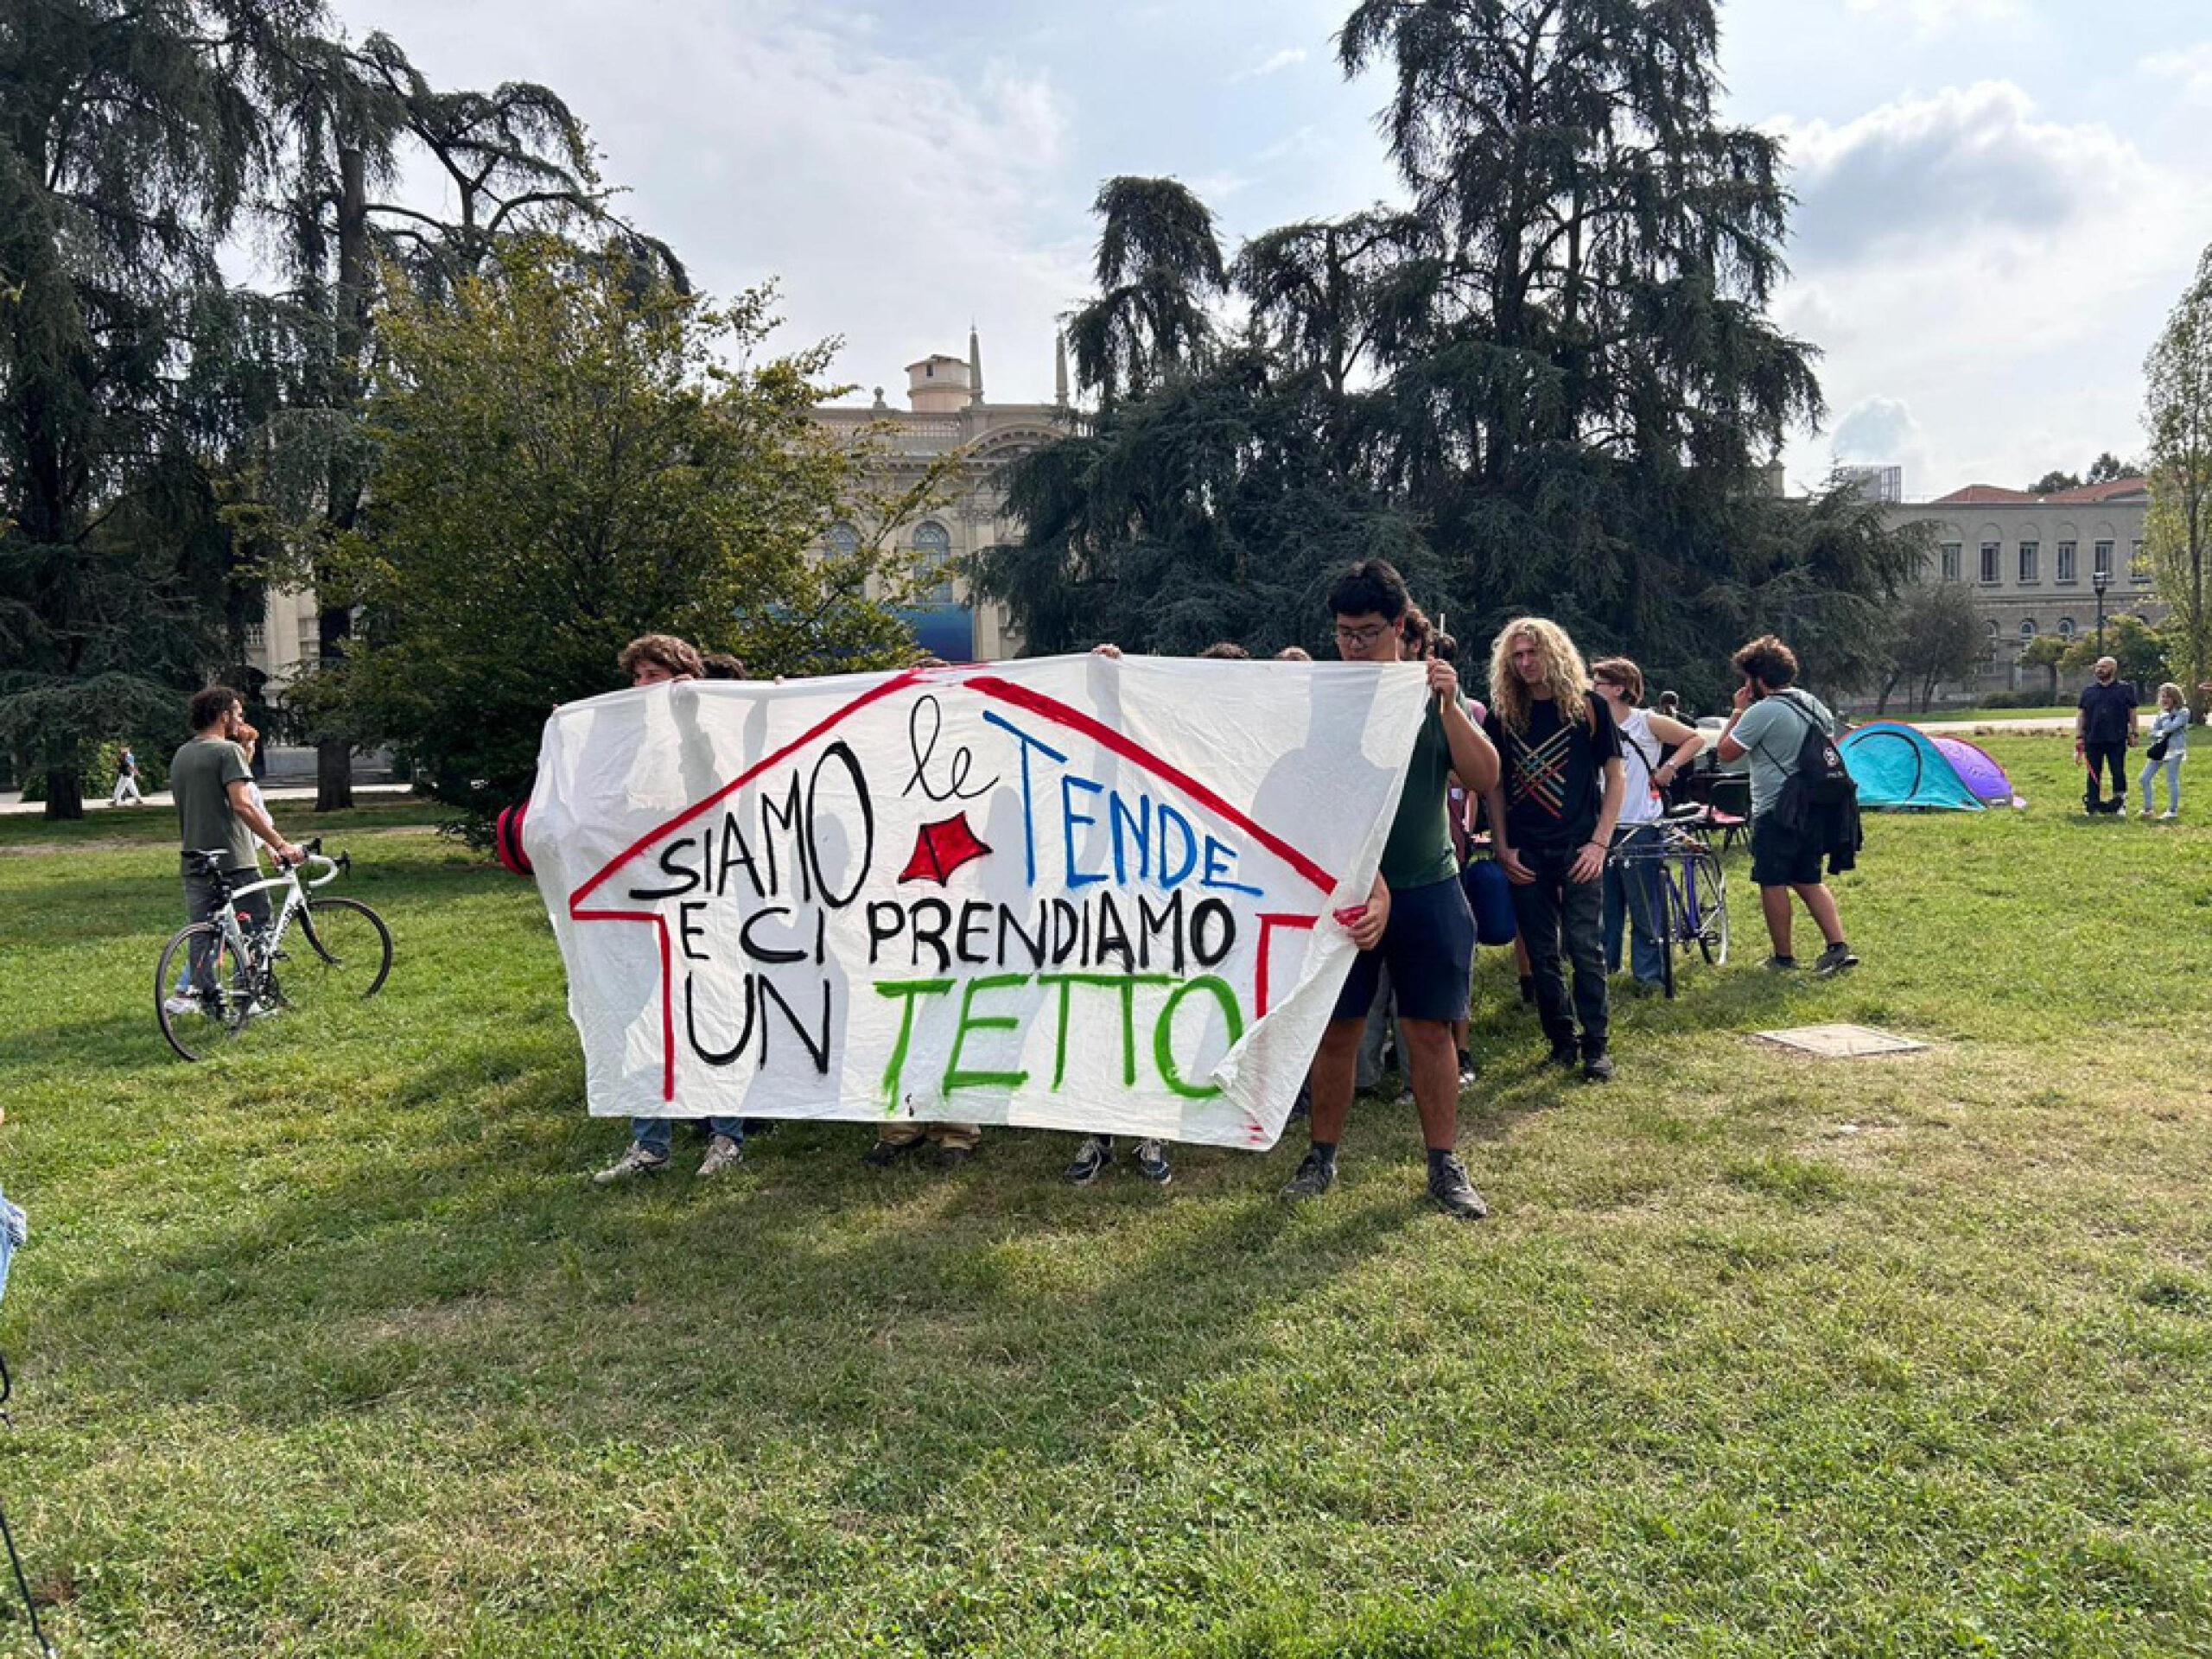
column 2066, row 628
column 934, row 560
column 2027, row 629
column 1993, row 630
column 844, row 541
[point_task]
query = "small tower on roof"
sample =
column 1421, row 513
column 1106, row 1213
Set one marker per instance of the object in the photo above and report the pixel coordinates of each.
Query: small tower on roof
column 1060, row 368
column 975, row 366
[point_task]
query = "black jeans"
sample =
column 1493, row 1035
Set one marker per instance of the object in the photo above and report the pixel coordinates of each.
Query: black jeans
column 1559, row 917
column 2114, row 759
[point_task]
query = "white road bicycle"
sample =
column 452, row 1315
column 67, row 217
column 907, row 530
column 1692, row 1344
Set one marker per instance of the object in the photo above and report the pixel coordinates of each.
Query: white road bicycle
column 240, row 974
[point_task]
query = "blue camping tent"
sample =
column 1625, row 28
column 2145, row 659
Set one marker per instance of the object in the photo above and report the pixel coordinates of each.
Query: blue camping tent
column 1898, row 769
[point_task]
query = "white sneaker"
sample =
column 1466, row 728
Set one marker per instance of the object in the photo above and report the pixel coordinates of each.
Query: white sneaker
column 179, row 1005
column 636, row 1162
column 2168, row 815
column 721, row 1153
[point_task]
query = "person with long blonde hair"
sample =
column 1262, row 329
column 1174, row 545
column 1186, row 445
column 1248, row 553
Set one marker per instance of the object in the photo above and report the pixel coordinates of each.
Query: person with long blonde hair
column 1559, row 793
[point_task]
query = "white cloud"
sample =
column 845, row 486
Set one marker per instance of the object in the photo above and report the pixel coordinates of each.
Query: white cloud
column 893, row 198
column 1983, row 283
column 1960, row 161
column 1929, row 17
column 1287, row 58
column 2191, row 67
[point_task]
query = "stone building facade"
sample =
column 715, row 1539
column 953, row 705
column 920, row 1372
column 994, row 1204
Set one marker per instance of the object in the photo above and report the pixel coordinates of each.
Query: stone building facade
column 946, row 413
column 2030, row 563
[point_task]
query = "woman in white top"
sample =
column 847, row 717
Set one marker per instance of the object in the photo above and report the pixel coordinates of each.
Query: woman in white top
column 1653, row 750
column 2170, row 725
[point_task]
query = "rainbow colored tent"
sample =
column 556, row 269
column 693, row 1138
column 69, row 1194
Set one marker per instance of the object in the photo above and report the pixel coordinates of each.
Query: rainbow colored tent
column 1899, row 768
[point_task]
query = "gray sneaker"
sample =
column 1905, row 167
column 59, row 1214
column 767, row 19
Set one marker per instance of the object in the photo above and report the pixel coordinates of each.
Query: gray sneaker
column 721, row 1153
column 636, row 1162
column 1449, row 1185
column 1834, row 960
column 1315, row 1176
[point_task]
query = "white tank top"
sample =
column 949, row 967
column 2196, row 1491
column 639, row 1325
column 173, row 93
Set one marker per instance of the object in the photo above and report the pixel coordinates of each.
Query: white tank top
column 1640, row 747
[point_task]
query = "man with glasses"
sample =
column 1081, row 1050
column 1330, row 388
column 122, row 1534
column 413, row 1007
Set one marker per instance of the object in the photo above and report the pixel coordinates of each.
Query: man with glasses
column 1416, row 920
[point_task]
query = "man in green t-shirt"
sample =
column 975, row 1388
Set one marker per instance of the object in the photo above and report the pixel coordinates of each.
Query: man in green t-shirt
column 1416, row 921
column 212, row 787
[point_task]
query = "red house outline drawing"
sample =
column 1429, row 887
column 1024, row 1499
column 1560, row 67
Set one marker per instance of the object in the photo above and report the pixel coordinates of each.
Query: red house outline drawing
column 999, row 689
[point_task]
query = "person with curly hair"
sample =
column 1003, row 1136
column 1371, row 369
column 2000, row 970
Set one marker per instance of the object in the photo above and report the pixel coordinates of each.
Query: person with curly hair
column 1558, row 794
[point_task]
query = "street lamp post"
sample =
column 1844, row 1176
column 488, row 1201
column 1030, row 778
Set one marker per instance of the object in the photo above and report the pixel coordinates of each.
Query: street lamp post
column 2101, row 579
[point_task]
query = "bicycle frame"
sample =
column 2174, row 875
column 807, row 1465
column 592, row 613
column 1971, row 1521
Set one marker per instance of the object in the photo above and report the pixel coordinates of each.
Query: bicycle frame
column 295, row 901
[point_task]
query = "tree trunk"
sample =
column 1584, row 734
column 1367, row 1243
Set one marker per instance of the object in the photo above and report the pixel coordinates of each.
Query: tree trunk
column 64, row 793
column 334, row 767
column 333, row 775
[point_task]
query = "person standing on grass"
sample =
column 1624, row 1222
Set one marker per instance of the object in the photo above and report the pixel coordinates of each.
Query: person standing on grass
column 1552, row 812
column 2104, row 731
column 1768, row 723
column 2172, row 729
column 217, row 809
column 1416, row 920
column 1655, row 750
column 661, row 659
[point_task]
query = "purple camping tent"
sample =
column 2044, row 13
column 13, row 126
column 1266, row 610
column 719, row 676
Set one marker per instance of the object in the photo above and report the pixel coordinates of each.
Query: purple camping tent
column 1978, row 771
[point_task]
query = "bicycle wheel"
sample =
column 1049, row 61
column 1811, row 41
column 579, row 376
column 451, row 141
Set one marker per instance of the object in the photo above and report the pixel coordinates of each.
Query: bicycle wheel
column 1709, row 885
column 221, row 1010
column 1664, row 901
column 349, row 953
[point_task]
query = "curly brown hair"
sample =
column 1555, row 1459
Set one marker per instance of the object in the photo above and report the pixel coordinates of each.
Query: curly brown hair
column 1767, row 660
column 678, row 657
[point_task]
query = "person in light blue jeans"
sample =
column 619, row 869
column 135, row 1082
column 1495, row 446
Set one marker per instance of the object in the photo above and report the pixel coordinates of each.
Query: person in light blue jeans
column 2170, row 726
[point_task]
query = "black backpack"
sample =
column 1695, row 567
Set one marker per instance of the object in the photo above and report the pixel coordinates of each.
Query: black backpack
column 1822, row 779
column 1819, row 799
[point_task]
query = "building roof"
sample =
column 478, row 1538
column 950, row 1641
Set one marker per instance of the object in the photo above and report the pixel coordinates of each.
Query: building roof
column 1991, row 495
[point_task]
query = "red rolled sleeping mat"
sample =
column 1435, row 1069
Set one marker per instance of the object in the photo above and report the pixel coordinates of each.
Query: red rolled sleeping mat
column 506, row 840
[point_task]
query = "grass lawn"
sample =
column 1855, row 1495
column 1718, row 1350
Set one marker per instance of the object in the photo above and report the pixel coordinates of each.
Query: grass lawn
column 328, row 1349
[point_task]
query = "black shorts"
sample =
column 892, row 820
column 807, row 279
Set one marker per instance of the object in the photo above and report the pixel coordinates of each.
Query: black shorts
column 1428, row 946
column 1783, row 857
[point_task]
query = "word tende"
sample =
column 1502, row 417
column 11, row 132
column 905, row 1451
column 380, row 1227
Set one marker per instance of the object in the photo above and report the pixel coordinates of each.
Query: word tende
column 1076, row 893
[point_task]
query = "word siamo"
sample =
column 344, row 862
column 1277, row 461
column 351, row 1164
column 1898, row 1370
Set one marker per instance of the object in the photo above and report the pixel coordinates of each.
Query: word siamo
column 914, row 995
column 1144, row 838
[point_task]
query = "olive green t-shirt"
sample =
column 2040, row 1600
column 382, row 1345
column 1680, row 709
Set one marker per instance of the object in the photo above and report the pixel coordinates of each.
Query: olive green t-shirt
column 1419, row 851
column 200, row 778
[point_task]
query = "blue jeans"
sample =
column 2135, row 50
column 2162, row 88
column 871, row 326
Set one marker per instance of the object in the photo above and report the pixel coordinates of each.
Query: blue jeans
column 655, row 1134
column 2172, row 766
column 1632, row 896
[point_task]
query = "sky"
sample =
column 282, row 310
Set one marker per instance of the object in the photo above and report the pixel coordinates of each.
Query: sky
column 1998, row 201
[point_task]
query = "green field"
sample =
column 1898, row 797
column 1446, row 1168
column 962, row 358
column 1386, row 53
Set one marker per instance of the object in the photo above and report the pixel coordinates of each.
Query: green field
column 329, row 1349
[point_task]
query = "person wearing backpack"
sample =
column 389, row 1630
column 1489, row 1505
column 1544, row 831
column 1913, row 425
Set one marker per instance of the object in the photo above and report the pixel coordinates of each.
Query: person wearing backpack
column 1804, row 810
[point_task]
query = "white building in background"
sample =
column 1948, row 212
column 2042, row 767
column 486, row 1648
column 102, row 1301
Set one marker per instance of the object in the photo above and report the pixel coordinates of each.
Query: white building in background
column 946, row 413
column 2030, row 563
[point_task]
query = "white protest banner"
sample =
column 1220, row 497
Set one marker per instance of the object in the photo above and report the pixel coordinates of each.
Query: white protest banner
column 1076, row 893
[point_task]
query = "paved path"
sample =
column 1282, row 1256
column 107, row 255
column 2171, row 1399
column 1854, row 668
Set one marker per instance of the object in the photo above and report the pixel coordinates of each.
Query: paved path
column 2044, row 725
column 12, row 805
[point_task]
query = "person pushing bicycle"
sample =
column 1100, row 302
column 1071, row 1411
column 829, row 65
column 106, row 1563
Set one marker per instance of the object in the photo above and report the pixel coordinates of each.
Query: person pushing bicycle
column 216, row 812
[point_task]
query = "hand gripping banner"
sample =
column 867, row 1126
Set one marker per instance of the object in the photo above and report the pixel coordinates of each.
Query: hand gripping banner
column 1075, row 893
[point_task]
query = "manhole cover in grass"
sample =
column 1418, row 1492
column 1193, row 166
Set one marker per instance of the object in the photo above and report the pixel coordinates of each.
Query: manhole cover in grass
column 1840, row 1042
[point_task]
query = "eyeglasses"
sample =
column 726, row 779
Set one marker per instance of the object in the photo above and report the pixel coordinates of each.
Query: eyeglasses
column 1361, row 637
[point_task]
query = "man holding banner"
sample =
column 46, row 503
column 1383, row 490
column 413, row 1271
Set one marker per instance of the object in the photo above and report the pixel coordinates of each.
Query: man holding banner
column 1416, row 920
